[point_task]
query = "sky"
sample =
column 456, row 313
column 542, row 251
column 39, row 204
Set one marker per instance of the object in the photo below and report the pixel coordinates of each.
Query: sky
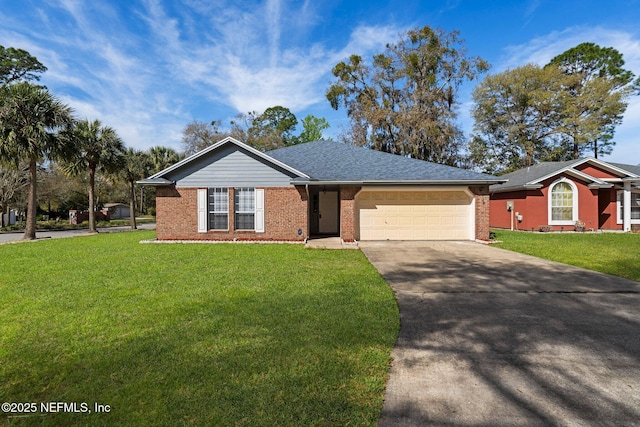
column 148, row 67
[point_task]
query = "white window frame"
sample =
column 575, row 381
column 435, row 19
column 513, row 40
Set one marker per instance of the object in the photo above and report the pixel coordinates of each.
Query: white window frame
column 574, row 200
column 237, row 205
column 619, row 204
column 217, row 210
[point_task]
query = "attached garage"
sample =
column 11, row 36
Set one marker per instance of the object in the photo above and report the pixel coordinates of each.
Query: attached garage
column 415, row 214
column 318, row 189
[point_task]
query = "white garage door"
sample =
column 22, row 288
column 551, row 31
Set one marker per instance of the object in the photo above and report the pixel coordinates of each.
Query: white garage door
column 414, row 215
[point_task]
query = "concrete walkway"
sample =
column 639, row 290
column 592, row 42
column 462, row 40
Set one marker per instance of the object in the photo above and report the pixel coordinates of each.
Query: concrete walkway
column 490, row 337
column 329, row 243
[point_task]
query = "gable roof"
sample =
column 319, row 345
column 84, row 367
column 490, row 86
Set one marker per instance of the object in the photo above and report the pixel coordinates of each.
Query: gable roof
column 531, row 177
column 631, row 168
column 333, row 162
column 157, row 178
column 328, row 162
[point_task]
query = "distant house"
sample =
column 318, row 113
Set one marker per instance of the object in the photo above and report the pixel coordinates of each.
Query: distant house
column 600, row 194
column 230, row 191
column 9, row 218
column 116, row 210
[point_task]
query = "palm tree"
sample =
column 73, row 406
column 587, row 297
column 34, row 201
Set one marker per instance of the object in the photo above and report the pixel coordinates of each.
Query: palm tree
column 98, row 147
column 163, row 157
column 32, row 125
column 137, row 166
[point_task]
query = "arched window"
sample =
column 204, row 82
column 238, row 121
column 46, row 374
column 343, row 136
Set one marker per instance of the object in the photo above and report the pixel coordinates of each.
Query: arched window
column 563, row 202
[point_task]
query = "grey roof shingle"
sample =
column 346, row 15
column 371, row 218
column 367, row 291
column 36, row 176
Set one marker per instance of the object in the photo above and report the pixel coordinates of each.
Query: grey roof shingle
column 334, row 161
column 518, row 179
column 631, row 168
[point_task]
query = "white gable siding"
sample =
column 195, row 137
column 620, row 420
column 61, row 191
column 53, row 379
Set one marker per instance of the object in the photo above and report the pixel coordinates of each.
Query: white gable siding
column 230, row 167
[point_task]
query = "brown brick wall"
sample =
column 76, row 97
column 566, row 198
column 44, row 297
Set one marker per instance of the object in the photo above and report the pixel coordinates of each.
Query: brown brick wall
column 482, row 211
column 285, row 213
column 348, row 213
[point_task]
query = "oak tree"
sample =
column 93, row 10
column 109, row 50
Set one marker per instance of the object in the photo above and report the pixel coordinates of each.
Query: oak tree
column 405, row 101
column 198, row 135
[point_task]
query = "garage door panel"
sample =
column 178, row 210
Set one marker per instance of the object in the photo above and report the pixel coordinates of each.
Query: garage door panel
column 414, row 215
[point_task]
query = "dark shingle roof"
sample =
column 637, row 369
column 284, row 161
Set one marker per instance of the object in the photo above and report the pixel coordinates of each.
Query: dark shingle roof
column 334, row 161
column 520, row 178
column 631, row 168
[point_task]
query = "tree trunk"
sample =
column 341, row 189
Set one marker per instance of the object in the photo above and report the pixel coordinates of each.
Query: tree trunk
column 92, row 211
column 132, row 205
column 32, row 208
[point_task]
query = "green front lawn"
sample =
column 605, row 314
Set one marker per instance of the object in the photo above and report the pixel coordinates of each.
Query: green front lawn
column 193, row 334
column 611, row 253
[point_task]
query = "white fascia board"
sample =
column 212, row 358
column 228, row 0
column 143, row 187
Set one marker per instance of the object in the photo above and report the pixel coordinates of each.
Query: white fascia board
column 571, row 171
column 598, row 185
column 396, row 182
column 604, row 165
column 517, row 188
column 228, row 140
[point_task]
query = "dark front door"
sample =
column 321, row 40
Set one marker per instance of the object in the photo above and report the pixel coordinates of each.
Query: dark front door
column 328, row 218
column 325, row 211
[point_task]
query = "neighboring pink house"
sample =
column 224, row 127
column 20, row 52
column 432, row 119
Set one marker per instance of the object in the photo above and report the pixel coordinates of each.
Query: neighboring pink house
column 231, row 191
column 602, row 195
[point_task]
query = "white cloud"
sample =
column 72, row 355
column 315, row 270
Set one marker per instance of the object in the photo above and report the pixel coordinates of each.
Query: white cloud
column 365, row 39
column 145, row 82
column 542, row 49
column 244, row 64
column 272, row 14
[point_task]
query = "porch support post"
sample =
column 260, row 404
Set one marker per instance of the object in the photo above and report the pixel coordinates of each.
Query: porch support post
column 626, row 206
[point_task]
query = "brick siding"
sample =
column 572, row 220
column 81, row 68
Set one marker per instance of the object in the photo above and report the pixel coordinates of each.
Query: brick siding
column 482, row 211
column 348, row 213
column 285, row 215
column 285, row 211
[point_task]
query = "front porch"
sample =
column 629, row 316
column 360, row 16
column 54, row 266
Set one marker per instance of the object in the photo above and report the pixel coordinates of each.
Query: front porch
column 331, row 213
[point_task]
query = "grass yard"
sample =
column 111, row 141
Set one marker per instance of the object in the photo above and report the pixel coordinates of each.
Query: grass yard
column 611, row 253
column 192, row 334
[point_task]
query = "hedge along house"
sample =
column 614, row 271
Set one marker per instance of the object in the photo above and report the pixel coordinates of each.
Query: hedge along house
column 556, row 195
column 230, row 191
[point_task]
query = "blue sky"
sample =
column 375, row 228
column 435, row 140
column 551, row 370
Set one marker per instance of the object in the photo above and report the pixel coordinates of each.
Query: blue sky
column 148, row 67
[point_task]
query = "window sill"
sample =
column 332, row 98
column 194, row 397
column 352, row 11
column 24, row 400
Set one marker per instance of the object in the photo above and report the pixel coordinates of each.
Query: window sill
column 562, row 223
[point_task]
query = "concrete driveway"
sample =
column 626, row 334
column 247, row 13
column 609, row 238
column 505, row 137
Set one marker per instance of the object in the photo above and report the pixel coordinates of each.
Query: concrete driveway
column 490, row 337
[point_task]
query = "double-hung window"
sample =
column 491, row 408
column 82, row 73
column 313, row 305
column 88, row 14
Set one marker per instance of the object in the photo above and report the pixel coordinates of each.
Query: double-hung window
column 635, row 207
column 218, row 209
column 244, row 208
